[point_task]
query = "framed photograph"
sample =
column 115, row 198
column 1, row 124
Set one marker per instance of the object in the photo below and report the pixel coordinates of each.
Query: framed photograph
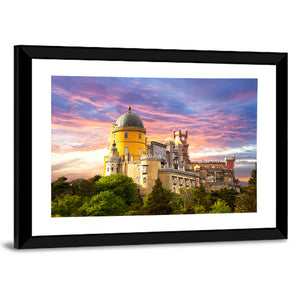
column 143, row 146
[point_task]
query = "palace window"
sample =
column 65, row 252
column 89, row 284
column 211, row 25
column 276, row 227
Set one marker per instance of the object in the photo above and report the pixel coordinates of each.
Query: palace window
column 138, row 179
column 181, row 181
column 187, row 183
column 144, row 180
column 175, row 180
column 126, row 135
column 140, row 150
column 144, row 169
column 140, row 136
column 112, row 169
column 193, row 183
column 174, row 189
column 125, row 150
column 138, row 167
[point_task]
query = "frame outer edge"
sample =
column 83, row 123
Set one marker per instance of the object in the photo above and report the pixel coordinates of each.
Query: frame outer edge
column 16, row 148
column 145, row 238
column 282, row 145
column 152, row 55
column 22, row 147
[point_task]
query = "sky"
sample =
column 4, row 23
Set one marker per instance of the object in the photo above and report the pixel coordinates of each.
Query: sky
column 219, row 114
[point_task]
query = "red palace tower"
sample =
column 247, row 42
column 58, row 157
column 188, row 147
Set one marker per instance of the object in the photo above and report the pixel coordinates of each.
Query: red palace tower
column 183, row 135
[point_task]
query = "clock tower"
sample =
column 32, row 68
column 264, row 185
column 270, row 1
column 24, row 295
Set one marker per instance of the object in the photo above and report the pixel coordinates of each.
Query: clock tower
column 183, row 135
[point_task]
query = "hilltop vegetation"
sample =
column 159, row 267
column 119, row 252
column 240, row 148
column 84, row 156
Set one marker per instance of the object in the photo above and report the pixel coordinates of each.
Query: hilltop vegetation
column 117, row 195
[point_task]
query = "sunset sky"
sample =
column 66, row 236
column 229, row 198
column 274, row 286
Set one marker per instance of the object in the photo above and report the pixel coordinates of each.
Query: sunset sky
column 219, row 114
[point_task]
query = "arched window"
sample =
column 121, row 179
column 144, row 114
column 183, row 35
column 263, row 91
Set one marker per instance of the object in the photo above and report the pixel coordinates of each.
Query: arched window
column 144, row 180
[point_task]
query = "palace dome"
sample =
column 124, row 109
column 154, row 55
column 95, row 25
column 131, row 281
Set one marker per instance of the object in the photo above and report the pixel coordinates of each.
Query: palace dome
column 169, row 139
column 129, row 120
column 177, row 141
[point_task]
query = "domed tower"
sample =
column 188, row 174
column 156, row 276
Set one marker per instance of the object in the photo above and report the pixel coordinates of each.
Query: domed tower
column 129, row 135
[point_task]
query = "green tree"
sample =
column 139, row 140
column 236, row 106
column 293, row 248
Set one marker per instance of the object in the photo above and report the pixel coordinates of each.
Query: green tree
column 66, row 205
column 134, row 209
column 116, row 195
column 83, row 187
column 188, row 195
column 60, row 187
column 220, row 207
column 95, row 178
column 195, row 200
column 200, row 193
column 158, row 201
column 177, row 203
column 121, row 185
column 106, row 203
column 252, row 179
column 227, row 195
column 200, row 209
column 203, row 198
column 247, row 201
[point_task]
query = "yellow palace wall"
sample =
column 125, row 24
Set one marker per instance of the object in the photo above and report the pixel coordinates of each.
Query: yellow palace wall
column 132, row 141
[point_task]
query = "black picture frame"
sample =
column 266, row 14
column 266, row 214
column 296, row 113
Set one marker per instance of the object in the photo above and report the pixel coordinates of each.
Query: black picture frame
column 23, row 56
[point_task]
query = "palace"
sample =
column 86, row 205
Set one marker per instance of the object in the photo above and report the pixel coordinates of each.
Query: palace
column 132, row 155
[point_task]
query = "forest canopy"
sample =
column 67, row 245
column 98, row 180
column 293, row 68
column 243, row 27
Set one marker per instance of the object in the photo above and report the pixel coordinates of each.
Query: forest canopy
column 118, row 195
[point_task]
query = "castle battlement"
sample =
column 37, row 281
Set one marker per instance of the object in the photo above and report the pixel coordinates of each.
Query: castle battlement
column 151, row 157
column 178, row 172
